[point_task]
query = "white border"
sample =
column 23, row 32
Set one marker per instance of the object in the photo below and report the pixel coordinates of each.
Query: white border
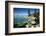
column 19, row 5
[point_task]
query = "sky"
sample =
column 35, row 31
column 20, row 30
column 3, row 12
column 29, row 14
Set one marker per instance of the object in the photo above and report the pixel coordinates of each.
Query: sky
column 23, row 11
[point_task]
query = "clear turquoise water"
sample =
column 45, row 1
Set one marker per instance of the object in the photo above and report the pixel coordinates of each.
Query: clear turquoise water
column 20, row 19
